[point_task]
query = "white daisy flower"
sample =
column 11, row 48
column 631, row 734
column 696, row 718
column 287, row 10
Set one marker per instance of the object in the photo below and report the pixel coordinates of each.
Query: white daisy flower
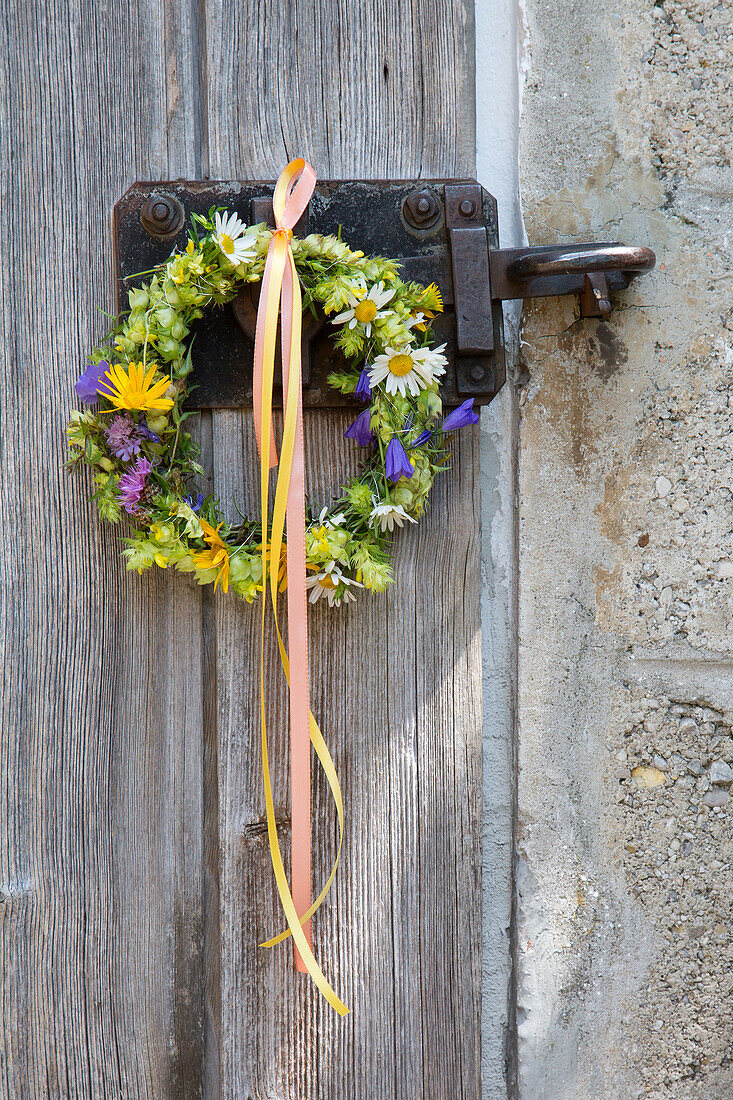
column 235, row 239
column 368, row 309
column 431, row 362
column 407, row 370
column 389, row 516
column 331, row 521
column 332, row 584
column 418, row 321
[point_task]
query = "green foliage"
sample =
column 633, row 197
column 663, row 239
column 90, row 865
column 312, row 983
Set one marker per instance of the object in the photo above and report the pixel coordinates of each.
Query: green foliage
column 173, row 529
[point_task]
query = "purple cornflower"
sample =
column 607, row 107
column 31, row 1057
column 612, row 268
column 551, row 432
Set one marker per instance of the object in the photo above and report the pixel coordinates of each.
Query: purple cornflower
column 460, row 417
column 146, row 432
column 398, row 464
column 363, row 387
column 194, row 505
column 87, row 383
column 123, row 438
column 361, row 430
column 132, row 483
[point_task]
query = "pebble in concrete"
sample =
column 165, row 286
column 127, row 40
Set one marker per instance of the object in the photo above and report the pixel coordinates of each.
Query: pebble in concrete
column 716, row 797
column 721, row 772
column 677, row 850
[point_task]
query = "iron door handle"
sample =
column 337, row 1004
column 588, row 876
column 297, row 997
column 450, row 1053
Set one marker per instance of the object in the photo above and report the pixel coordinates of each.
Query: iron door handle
column 535, row 264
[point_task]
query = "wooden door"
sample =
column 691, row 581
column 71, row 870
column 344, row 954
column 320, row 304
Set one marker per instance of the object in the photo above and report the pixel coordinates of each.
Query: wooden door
column 135, row 879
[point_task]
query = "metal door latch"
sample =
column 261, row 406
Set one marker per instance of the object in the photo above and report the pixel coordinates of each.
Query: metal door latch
column 442, row 231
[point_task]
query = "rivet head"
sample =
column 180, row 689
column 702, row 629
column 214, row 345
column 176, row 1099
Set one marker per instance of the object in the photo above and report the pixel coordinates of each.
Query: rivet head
column 162, row 215
column 467, row 208
column 477, row 373
column 421, row 209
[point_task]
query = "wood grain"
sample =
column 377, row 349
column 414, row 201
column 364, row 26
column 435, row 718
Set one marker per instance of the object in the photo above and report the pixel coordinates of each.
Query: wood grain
column 100, row 765
column 366, row 90
column 134, row 872
column 361, row 88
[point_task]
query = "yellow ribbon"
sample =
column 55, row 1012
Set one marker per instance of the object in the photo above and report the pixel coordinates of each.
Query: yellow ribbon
column 280, row 281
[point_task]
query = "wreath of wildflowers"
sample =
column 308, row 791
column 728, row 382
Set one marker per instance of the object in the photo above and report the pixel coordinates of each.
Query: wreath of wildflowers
column 144, row 462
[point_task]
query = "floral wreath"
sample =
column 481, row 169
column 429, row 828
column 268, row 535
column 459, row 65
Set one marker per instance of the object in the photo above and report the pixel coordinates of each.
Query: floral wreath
column 144, row 462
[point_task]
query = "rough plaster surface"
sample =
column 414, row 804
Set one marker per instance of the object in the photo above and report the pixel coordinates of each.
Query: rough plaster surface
column 625, row 505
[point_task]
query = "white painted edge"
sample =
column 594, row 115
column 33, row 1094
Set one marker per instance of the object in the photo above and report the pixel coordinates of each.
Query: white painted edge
column 498, row 105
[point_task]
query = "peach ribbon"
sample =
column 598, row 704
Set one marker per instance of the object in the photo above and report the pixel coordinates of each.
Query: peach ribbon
column 280, row 295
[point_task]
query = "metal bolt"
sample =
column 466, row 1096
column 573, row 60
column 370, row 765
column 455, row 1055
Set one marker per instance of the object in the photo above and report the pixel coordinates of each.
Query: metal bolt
column 467, row 208
column 477, row 373
column 421, row 209
column 162, row 215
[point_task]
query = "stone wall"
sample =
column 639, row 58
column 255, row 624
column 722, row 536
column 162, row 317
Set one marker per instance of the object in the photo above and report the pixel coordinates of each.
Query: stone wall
column 625, row 498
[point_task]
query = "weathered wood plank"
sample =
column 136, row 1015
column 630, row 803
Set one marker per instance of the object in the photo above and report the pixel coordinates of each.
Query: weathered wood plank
column 368, row 89
column 449, row 766
column 135, row 875
column 101, row 763
column 374, row 89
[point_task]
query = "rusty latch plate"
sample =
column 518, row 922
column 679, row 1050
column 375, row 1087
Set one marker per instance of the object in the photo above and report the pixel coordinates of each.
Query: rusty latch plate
column 410, row 221
column 470, row 262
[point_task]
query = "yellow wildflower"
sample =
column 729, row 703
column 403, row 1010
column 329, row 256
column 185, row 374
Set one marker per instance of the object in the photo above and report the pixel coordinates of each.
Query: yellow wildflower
column 217, row 557
column 134, row 389
column 431, row 301
column 320, row 534
column 162, row 532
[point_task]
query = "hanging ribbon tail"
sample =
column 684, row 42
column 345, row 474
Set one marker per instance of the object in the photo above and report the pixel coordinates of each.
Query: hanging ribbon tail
column 280, row 295
column 258, row 361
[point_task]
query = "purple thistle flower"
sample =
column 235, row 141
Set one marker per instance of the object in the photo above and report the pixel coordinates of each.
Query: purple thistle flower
column 194, row 505
column 460, row 417
column 145, row 431
column 363, row 386
column 87, row 383
column 422, row 438
column 132, row 483
column 360, row 430
column 123, row 438
column 398, row 464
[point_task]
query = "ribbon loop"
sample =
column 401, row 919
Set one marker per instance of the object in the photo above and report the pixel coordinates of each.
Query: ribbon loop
column 290, row 198
column 281, row 296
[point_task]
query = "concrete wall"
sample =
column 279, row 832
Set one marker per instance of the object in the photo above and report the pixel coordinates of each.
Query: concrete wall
column 623, row 561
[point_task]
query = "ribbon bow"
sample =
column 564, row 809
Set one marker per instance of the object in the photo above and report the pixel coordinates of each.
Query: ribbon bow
column 280, row 294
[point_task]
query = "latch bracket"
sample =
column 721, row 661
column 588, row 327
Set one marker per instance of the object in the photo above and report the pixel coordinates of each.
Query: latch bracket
column 469, row 248
column 442, row 231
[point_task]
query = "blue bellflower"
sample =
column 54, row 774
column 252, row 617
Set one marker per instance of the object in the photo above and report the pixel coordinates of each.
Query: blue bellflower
column 398, row 464
column 422, row 438
column 87, row 383
column 360, row 430
column 145, row 431
column 460, row 417
column 363, row 387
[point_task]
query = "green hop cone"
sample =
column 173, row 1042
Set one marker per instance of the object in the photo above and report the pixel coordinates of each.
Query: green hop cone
column 138, row 299
column 165, row 319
